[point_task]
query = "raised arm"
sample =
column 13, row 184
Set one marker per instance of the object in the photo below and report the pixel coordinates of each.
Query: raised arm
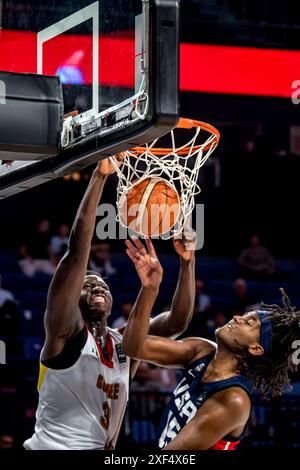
column 62, row 318
column 175, row 322
column 136, row 341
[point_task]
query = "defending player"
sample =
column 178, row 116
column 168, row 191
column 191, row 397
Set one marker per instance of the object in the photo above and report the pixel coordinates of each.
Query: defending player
column 84, row 374
column 211, row 405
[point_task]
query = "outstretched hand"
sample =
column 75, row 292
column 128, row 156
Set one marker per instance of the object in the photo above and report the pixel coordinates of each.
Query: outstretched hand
column 146, row 262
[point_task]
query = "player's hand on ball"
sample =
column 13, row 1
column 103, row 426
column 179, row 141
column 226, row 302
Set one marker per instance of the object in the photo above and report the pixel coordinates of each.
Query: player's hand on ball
column 146, row 262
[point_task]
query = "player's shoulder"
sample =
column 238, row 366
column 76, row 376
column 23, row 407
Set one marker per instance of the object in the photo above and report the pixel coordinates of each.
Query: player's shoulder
column 235, row 398
column 208, row 345
column 200, row 348
column 116, row 333
column 203, row 345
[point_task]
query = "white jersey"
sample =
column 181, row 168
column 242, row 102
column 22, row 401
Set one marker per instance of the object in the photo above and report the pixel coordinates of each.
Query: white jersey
column 82, row 407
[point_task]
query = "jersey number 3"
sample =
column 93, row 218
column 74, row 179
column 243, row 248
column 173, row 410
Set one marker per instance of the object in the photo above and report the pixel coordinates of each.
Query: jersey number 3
column 105, row 419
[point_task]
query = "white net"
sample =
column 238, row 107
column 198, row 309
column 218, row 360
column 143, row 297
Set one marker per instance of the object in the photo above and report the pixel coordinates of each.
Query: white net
column 179, row 165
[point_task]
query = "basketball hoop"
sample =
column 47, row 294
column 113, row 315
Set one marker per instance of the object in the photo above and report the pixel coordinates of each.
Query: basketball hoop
column 177, row 163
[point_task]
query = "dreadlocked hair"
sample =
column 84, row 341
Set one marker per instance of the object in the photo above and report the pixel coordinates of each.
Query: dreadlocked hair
column 269, row 374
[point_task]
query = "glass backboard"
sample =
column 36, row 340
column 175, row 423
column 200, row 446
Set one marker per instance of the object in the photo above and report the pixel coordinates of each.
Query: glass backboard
column 118, row 64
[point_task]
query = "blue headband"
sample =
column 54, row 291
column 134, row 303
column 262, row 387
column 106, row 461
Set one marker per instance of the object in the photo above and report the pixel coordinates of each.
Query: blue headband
column 265, row 331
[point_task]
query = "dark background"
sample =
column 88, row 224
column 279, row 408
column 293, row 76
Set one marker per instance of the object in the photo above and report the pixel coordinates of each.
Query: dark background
column 258, row 192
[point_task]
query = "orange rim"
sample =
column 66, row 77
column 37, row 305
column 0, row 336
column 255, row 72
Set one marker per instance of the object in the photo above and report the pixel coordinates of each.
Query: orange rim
column 184, row 123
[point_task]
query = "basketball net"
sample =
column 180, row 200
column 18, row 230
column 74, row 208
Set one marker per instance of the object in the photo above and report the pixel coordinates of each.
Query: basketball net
column 178, row 164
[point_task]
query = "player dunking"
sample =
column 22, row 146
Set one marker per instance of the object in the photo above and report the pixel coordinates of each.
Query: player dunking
column 211, row 405
column 84, row 374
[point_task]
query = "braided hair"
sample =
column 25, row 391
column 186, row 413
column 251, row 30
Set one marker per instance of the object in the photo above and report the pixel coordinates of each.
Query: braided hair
column 270, row 373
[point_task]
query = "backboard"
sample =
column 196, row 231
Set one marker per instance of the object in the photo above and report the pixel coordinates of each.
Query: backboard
column 118, row 64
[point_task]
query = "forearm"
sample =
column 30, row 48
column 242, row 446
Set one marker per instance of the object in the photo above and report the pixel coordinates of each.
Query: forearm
column 84, row 223
column 184, row 298
column 199, row 434
column 189, row 444
column 67, row 282
column 175, row 321
column 138, row 323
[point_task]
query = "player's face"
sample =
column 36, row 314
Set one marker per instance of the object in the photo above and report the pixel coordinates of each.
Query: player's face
column 95, row 299
column 240, row 333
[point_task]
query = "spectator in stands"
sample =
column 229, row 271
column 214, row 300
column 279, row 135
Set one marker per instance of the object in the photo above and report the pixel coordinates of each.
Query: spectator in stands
column 203, row 302
column 120, row 321
column 256, row 261
column 241, row 300
column 144, row 379
column 150, row 377
column 6, row 441
column 166, row 378
column 100, row 260
column 201, row 315
column 216, row 321
column 5, row 295
column 8, row 312
column 37, row 255
column 145, row 406
column 59, row 242
column 220, row 319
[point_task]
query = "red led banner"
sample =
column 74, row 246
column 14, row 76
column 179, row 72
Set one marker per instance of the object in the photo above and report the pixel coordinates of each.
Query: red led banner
column 203, row 68
column 238, row 70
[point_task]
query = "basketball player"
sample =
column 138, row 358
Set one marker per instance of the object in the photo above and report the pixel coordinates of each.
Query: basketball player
column 211, row 405
column 84, row 374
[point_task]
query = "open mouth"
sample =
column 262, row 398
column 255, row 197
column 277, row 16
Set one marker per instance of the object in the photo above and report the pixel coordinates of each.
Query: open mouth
column 98, row 298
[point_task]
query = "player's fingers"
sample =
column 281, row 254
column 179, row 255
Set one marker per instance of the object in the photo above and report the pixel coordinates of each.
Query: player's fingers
column 190, row 245
column 119, row 157
column 133, row 258
column 151, row 248
column 133, row 250
column 130, row 246
column 138, row 245
column 189, row 234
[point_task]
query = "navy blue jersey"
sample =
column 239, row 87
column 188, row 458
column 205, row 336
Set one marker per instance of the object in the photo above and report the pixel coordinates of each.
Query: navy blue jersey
column 189, row 396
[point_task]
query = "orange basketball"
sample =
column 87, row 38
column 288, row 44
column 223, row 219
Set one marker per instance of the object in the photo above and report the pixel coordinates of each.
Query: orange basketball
column 150, row 208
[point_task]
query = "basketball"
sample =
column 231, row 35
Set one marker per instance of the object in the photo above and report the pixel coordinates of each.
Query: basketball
column 150, row 208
